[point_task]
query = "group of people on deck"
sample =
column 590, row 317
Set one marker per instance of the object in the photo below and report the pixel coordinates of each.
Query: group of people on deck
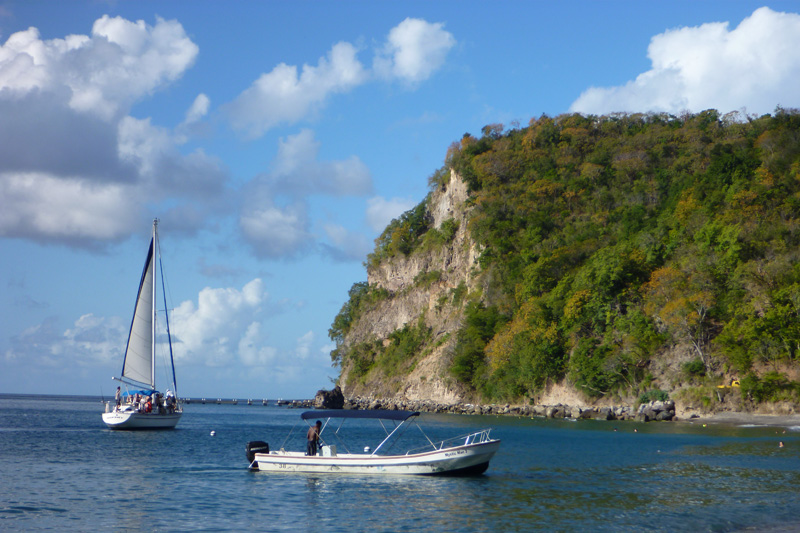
column 144, row 403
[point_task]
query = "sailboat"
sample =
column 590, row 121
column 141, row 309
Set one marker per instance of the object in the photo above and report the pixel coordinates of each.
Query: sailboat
column 154, row 411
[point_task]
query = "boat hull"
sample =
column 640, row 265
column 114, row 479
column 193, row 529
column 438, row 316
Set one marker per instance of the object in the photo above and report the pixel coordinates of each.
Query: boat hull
column 469, row 459
column 132, row 420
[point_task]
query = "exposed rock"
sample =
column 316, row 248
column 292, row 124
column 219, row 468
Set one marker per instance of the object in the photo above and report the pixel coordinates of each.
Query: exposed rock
column 663, row 411
column 455, row 268
column 333, row 399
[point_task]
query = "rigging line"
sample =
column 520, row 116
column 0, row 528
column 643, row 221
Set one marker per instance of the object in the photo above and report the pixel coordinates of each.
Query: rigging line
column 166, row 319
column 283, row 445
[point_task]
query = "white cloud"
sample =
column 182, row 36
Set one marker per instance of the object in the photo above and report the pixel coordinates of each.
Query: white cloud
column 223, row 327
column 414, row 50
column 381, row 211
column 220, row 324
column 43, row 207
column 91, row 341
column 755, row 66
column 252, row 352
column 198, row 110
column 105, row 73
column 89, row 172
column 281, row 96
column 345, row 245
column 274, row 231
column 163, row 170
column 296, row 170
column 303, row 348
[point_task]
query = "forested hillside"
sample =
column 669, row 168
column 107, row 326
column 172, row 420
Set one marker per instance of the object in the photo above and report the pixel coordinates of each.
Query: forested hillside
column 613, row 249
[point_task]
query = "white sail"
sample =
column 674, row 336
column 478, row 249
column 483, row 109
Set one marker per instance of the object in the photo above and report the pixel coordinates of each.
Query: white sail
column 138, row 364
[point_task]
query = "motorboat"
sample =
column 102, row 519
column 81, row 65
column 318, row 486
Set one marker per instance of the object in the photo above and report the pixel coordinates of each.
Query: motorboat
column 467, row 454
column 154, row 411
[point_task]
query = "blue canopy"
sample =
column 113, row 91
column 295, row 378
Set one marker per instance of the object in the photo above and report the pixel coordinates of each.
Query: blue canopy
column 140, row 392
column 382, row 414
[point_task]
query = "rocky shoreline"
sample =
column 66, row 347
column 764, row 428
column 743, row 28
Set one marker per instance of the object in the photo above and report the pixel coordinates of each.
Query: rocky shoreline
column 655, row 410
column 651, row 411
column 647, row 412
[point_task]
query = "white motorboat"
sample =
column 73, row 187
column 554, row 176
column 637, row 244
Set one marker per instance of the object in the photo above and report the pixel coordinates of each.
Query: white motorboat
column 463, row 455
column 139, row 363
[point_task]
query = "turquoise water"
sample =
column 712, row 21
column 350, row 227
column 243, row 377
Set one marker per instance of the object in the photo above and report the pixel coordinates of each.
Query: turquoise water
column 61, row 469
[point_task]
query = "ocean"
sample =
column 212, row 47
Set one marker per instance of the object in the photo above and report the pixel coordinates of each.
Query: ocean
column 61, row 469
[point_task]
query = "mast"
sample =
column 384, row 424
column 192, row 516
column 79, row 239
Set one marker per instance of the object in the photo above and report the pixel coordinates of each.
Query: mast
column 153, row 309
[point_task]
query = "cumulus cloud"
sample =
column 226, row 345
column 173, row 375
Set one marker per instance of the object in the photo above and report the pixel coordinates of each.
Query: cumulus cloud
column 283, row 96
column 755, row 66
column 105, row 72
column 345, row 246
column 198, row 110
column 297, row 170
column 381, row 211
column 45, row 208
column 218, row 325
column 252, row 351
column 223, row 329
column 414, row 50
column 303, row 348
column 91, row 341
column 276, row 232
column 88, row 173
column 162, row 169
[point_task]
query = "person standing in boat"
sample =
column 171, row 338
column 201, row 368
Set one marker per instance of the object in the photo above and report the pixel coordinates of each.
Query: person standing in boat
column 117, row 396
column 170, row 400
column 313, row 438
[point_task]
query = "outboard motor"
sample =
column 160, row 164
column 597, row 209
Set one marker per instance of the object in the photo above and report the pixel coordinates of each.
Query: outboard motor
column 254, row 447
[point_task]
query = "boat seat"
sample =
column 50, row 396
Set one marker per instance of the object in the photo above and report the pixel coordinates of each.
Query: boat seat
column 329, row 451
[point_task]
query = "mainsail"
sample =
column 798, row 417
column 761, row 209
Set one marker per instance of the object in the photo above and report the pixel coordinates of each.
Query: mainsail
column 138, row 362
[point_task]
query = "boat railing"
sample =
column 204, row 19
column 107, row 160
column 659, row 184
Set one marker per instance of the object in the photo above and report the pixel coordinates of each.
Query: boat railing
column 461, row 440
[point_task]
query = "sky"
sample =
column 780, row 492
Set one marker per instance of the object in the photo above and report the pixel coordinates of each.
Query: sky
column 275, row 140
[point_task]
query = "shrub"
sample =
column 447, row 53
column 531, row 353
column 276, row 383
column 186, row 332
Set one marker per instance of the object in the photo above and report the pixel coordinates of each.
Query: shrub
column 772, row 387
column 653, row 395
column 694, row 368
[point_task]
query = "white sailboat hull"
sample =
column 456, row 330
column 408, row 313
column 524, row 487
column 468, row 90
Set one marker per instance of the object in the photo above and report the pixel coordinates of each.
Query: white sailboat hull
column 467, row 459
column 133, row 420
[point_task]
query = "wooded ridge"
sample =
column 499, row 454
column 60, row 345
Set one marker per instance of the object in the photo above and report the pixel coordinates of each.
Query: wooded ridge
column 622, row 258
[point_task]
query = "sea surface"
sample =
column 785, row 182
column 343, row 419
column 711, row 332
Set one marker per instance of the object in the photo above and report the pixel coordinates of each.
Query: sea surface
column 61, row 469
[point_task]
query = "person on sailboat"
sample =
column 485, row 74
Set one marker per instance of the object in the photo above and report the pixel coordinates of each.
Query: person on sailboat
column 117, row 396
column 170, row 401
column 313, row 438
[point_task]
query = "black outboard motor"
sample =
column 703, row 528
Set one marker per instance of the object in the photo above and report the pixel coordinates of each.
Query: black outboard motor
column 254, row 447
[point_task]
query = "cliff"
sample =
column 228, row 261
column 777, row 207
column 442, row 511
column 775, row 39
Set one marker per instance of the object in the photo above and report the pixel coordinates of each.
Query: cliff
column 428, row 285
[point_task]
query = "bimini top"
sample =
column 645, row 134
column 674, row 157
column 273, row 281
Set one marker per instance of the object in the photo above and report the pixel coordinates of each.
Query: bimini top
column 382, row 414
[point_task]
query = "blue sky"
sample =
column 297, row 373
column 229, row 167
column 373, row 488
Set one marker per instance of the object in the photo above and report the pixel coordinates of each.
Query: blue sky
column 275, row 140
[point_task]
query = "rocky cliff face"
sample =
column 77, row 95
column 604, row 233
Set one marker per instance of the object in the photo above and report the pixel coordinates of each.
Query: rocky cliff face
column 427, row 285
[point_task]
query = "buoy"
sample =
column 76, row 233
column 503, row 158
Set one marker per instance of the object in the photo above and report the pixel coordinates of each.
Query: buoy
column 213, row 432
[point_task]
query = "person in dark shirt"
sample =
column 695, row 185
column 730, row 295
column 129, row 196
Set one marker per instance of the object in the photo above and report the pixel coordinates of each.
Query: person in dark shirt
column 313, row 438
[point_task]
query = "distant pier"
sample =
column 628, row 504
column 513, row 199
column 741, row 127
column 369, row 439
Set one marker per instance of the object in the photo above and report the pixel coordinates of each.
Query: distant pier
column 264, row 402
